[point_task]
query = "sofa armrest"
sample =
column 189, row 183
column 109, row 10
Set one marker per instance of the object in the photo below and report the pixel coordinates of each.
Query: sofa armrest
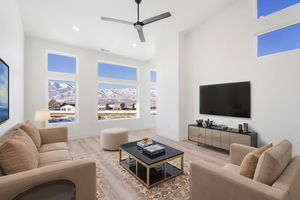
column 56, row 134
column 81, row 172
column 238, row 152
column 210, row 182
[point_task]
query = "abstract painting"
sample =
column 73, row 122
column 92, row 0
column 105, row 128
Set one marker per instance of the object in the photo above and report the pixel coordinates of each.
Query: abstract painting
column 4, row 91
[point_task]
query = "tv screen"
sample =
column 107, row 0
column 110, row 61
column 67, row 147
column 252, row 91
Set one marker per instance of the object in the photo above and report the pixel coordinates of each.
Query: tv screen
column 230, row 99
column 4, row 91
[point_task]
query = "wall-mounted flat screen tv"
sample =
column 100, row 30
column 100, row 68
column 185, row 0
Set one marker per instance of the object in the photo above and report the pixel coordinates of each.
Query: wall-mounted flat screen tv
column 228, row 99
column 4, row 91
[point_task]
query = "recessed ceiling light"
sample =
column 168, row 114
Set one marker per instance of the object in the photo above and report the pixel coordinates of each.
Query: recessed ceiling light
column 134, row 45
column 76, row 28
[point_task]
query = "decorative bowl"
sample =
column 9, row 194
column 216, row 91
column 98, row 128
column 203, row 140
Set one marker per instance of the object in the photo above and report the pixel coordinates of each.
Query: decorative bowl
column 199, row 121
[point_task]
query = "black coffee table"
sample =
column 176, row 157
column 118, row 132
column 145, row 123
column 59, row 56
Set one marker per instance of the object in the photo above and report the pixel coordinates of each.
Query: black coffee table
column 151, row 170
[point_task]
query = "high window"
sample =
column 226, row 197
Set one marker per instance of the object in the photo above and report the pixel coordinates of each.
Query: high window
column 62, row 91
column 277, row 41
column 61, row 63
column 106, row 70
column 117, row 99
column 153, row 76
column 267, row 7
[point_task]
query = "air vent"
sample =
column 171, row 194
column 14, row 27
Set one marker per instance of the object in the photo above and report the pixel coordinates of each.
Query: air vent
column 105, row 50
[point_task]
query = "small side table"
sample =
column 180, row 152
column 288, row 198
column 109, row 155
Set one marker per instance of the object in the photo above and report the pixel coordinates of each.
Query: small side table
column 52, row 190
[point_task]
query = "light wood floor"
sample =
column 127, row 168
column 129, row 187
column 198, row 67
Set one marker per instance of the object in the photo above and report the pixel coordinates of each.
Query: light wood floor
column 191, row 150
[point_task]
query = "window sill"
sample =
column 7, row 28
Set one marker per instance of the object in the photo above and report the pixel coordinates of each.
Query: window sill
column 112, row 120
column 61, row 123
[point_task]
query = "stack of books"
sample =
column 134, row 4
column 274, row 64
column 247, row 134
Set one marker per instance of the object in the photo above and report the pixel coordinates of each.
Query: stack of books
column 131, row 162
column 143, row 145
column 154, row 149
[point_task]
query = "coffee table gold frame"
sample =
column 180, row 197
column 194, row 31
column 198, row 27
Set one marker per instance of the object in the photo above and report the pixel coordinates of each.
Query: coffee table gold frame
column 148, row 167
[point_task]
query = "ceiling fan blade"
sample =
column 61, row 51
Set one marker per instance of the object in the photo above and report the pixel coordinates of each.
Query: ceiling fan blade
column 116, row 20
column 156, row 18
column 141, row 34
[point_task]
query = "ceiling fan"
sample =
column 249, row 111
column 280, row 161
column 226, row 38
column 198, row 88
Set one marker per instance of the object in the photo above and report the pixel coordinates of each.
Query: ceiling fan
column 139, row 25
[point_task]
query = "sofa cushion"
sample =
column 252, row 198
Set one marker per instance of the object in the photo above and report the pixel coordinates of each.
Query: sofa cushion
column 232, row 168
column 273, row 162
column 53, row 157
column 54, row 163
column 18, row 153
column 53, row 147
column 249, row 163
column 33, row 132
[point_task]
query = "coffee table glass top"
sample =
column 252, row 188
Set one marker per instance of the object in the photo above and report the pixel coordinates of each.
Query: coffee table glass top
column 137, row 151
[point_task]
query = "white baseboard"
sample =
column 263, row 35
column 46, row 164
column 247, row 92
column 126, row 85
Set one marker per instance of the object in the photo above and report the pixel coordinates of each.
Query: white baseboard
column 85, row 135
column 93, row 134
column 169, row 136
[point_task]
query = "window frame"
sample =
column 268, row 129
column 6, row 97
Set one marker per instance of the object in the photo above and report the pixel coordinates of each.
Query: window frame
column 76, row 100
column 62, row 54
column 120, row 82
column 269, row 31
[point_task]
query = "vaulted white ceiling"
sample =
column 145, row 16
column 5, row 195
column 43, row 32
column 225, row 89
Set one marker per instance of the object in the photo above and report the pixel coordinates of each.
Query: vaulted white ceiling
column 54, row 20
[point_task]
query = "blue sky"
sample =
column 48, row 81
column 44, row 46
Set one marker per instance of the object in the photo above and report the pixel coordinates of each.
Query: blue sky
column 67, row 82
column 63, row 64
column 117, row 72
column 267, row 7
column 153, row 76
column 3, row 85
column 114, row 86
column 278, row 41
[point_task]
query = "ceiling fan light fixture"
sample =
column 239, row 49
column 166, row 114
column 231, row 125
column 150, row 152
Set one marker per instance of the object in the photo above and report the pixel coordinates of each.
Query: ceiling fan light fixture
column 134, row 45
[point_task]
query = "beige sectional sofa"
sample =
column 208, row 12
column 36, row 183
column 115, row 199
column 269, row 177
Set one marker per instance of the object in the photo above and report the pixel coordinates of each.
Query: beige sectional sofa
column 277, row 176
column 29, row 157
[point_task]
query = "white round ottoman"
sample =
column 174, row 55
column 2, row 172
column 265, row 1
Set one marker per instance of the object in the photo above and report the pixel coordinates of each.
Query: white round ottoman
column 112, row 138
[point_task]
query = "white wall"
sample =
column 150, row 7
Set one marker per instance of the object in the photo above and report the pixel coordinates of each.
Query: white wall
column 223, row 50
column 36, row 97
column 171, row 122
column 12, row 52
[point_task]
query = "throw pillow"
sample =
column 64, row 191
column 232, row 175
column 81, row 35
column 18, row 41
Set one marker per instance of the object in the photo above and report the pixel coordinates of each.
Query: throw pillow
column 33, row 125
column 18, row 153
column 33, row 133
column 250, row 161
column 273, row 162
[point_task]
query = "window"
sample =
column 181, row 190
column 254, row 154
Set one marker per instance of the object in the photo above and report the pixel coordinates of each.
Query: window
column 116, row 101
column 153, row 76
column 153, row 101
column 153, row 93
column 62, row 101
column 281, row 40
column 267, row 7
column 117, row 72
column 60, row 63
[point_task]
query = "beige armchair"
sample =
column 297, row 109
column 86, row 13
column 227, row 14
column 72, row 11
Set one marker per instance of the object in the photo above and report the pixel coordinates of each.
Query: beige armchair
column 209, row 182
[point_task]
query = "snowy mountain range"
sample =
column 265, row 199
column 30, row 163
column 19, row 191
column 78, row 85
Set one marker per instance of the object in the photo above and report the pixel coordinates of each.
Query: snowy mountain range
column 65, row 93
column 62, row 92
